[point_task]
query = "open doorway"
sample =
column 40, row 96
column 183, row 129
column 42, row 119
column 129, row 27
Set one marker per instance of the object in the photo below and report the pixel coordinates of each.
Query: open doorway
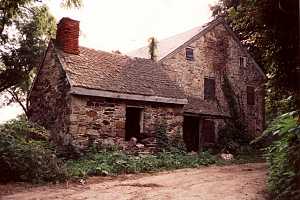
column 191, row 133
column 134, row 122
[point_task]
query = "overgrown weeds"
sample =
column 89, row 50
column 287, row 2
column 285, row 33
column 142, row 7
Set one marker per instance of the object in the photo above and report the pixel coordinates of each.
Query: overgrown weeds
column 118, row 162
column 283, row 156
column 25, row 154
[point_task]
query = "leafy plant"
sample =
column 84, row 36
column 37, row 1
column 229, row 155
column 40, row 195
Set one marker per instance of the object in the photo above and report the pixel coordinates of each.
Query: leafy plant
column 25, row 154
column 162, row 140
column 283, row 157
column 118, row 162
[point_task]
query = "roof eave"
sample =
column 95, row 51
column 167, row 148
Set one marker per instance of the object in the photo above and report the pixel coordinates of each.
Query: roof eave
column 75, row 90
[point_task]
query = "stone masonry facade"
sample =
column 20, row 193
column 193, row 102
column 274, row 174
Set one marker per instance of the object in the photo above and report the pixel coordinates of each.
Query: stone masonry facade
column 104, row 120
column 216, row 53
column 49, row 101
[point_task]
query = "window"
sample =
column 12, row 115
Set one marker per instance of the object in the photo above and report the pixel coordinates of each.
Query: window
column 209, row 88
column 189, row 53
column 250, row 95
column 243, row 62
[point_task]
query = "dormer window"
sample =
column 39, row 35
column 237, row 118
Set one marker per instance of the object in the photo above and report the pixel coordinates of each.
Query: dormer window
column 189, row 54
column 243, row 62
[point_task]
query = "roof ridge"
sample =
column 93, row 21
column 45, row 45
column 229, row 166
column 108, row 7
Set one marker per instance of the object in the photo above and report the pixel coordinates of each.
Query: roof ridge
column 168, row 45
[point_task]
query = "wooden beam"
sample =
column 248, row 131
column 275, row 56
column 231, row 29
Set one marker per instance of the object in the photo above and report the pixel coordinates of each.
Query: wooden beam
column 136, row 97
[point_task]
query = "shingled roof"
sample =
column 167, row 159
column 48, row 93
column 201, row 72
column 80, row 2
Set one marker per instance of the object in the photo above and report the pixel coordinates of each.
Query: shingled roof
column 204, row 107
column 168, row 45
column 99, row 70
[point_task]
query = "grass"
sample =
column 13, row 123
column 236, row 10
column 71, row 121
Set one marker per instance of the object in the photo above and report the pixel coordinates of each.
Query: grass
column 117, row 162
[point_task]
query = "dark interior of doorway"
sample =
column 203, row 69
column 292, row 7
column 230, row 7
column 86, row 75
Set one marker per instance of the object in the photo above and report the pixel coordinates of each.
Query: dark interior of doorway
column 132, row 124
column 191, row 133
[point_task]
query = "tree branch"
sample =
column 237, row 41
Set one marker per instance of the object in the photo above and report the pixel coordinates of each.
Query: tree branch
column 16, row 99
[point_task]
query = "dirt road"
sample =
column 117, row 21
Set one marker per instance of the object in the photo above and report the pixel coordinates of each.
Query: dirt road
column 236, row 182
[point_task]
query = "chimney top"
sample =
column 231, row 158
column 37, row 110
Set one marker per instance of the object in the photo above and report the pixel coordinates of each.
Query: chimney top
column 67, row 35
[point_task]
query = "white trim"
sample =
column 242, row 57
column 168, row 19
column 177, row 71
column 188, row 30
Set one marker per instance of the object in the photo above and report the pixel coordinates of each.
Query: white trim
column 115, row 95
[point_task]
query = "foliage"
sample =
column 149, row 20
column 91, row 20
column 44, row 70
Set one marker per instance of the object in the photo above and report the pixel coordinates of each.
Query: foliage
column 173, row 143
column 152, row 48
column 262, row 27
column 162, row 140
column 118, row 162
column 25, row 154
column 25, row 29
column 283, row 157
column 233, row 137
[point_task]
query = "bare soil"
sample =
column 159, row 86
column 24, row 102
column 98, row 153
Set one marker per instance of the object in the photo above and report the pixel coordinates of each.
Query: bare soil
column 235, row 182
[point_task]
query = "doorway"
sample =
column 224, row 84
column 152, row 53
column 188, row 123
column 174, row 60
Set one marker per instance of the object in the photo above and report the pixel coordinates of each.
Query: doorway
column 191, row 132
column 133, row 123
column 208, row 131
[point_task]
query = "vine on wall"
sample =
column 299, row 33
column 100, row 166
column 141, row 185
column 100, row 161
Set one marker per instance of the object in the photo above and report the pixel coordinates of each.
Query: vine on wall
column 233, row 137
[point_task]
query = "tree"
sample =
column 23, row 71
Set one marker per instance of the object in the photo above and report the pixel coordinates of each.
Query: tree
column 14, row 14
column 26, row 26
column 152, row 45
column 271, row 35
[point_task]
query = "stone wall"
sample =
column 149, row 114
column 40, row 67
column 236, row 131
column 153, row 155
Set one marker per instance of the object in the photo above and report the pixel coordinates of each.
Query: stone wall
column 217, row 53
column 103, row 120
column 49, row 102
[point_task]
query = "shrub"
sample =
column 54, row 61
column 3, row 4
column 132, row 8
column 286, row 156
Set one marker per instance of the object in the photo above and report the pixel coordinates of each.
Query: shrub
column 118, row 162
column 283, row 157
column 25, row 154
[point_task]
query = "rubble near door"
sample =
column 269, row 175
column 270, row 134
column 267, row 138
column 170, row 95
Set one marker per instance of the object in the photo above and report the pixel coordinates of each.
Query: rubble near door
column 133, row 123
column 191, row 132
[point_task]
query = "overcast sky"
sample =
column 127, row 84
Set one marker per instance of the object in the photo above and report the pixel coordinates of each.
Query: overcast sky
column 127, row 24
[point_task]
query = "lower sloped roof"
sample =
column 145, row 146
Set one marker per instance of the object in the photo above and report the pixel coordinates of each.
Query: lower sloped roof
column 203, row 107
column 105, row 71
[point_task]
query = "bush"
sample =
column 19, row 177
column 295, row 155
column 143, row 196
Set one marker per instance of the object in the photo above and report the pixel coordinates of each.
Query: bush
column 25, row 154
column 118, row 162
column 283, row 157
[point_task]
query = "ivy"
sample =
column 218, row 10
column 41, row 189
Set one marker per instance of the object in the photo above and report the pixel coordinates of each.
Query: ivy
column 233, row 137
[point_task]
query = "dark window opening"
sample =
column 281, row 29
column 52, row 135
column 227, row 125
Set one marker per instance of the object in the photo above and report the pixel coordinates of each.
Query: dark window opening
column 133, row 124
column 191, row 133
column 189, row 54
column 208, row 132
column 209, row 88
column 250, row 95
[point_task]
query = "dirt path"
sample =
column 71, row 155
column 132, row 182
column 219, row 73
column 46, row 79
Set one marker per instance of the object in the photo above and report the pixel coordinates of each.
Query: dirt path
column 236, row 182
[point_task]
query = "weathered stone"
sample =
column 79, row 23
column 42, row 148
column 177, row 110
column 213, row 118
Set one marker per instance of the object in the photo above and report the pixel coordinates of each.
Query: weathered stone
column 91, row 113
column 105, row 122
column 120, row 124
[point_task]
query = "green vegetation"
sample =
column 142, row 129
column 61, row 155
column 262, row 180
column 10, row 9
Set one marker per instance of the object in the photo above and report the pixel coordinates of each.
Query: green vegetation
column 25, row 154
column 283, row 156
column 118, row 162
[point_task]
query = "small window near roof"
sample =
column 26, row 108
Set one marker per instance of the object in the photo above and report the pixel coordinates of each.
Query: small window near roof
column 243, row 61
column 250, row 95
column 209, row 88
column 189, row 53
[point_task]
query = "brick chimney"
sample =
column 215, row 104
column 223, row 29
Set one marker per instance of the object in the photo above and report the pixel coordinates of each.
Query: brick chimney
column 67, row 35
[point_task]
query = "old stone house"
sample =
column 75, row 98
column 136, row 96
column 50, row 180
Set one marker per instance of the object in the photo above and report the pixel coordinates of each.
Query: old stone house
column 82, row 95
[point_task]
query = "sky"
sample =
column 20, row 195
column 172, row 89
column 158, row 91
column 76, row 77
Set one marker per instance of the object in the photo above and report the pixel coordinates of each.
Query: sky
column 126, row 25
